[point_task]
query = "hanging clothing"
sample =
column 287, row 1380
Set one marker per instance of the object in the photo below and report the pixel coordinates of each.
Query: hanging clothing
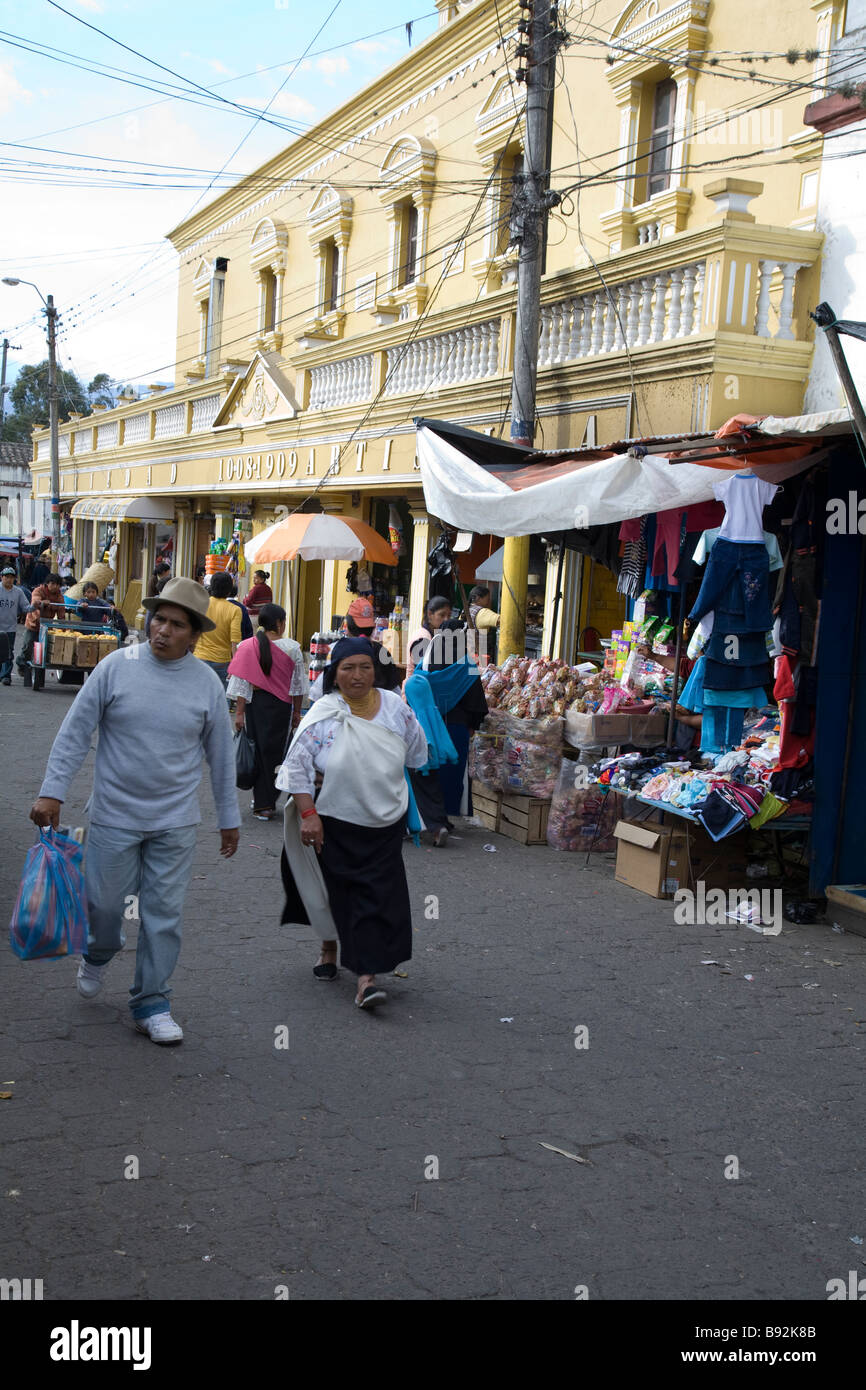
column 745, row 496
column 745, row 567
column 709, row 538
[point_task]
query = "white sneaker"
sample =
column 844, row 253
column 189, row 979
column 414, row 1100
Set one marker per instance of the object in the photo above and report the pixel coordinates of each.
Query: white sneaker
column 160, row 1028
column 90, row 978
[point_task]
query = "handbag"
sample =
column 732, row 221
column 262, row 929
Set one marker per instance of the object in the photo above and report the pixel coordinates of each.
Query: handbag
column 246, row 760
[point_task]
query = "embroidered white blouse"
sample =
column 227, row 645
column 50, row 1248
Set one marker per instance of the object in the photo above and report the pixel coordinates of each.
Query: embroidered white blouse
column 309, row 751
column 239, row 688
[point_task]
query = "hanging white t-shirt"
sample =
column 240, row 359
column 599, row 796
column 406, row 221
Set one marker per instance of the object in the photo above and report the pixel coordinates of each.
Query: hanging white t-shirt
column 745, row 498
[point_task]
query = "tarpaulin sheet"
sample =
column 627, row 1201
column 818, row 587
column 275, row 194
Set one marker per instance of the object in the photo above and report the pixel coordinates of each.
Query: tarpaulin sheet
column 579, row 493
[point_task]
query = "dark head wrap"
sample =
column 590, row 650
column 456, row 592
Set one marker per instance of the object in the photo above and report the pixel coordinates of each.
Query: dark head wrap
column 347, row 646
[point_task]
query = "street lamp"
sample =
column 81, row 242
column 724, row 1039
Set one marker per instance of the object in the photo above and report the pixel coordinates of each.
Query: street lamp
column 52, row 406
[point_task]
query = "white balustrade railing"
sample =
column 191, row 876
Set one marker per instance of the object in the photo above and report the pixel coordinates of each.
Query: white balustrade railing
column 136, row 428
column 170, row 419
column 43, row 449
column 83, row 441
column 63, row 446
column 107, row 435
column 653, row 309
column 785, row 312
column 204, row 411
column 341, row 383
column 464, row 354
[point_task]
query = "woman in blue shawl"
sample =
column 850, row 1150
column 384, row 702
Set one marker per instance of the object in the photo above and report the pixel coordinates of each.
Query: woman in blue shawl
column 446, row 693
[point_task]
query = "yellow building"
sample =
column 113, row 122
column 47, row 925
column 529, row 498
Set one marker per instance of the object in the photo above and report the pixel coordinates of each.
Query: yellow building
column 362, row 278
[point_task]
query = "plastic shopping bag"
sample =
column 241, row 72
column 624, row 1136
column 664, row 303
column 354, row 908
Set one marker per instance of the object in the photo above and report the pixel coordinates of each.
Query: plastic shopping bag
column 50, row 915
column 246, row 760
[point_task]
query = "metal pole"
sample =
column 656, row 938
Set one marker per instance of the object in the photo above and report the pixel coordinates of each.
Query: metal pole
column 558, row 596
column 52, row 420
column 826, row 319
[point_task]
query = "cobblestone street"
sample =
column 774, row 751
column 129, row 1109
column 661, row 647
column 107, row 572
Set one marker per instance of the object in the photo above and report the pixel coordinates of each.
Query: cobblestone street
column 311, row 1169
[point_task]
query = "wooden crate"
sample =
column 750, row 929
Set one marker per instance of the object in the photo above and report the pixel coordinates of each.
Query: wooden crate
column 86, row 651
column 485, row 805
column 524, row 818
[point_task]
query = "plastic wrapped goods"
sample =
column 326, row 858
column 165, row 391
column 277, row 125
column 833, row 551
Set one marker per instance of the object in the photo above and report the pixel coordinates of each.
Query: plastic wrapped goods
column 580, row 817
column 487, row 759
column 531, row 769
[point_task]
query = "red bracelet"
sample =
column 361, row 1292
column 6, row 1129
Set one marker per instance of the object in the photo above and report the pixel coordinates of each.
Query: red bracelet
column 312, row 812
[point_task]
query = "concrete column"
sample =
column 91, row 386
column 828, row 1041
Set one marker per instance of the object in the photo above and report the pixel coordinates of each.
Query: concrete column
column 420, row 573
column 224, row 525
column 515, row 574
column 562, row 642
column 183, row 546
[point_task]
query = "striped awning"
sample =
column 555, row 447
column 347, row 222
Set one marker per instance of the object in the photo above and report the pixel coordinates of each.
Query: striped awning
column 124, row 509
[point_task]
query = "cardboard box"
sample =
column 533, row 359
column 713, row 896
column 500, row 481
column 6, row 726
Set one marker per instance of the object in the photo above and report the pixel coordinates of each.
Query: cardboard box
column 86, row 651
column 486, row 805
column 846, row 906
column 651, row 858
column 642, row 727
column 524, row 818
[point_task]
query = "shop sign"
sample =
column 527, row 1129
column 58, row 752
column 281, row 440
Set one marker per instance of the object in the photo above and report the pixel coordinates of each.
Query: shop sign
column 302, row 463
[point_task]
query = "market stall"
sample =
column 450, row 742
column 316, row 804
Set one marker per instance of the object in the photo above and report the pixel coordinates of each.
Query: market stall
column 749, row 796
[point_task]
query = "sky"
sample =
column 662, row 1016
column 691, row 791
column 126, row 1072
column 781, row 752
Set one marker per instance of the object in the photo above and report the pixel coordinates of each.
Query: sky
column 84, row 214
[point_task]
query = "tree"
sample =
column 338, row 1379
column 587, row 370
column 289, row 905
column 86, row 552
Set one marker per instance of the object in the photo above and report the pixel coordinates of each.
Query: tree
column 29, row 399
column 102, row 390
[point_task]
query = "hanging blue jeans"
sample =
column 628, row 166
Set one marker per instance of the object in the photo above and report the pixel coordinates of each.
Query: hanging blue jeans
column 721, row 727
column 750, row 566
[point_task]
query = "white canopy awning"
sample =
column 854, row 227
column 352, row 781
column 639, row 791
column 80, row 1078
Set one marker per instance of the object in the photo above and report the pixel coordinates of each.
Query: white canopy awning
column 124, row 509
column 551, row 493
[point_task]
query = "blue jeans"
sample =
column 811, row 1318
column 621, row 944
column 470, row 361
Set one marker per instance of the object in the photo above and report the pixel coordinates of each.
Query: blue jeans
column 155, row 867
column 749, row 566
column 222, row 669
column 7, row 648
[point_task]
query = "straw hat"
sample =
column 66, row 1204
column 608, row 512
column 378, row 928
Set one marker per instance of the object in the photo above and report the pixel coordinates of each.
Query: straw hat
column 184, row 593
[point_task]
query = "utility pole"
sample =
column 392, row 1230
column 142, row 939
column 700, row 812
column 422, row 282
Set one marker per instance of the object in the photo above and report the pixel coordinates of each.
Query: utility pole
column 4, row 389
column 52, row 424
column 533, row 200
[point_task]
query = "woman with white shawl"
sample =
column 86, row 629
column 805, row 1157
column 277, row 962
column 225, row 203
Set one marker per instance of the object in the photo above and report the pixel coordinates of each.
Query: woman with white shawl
column 343, row 862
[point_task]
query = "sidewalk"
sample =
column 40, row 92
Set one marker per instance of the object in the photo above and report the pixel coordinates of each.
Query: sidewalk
column 310, row 1169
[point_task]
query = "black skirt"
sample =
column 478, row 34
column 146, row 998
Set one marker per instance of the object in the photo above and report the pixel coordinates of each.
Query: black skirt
column 365, row 877
column 268, row 721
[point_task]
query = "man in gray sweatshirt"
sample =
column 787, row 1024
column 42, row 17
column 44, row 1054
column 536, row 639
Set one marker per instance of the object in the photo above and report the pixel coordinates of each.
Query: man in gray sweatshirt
column 159, row 711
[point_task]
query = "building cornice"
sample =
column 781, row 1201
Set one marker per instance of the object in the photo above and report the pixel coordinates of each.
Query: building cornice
column 442, row 59
column 835, row 112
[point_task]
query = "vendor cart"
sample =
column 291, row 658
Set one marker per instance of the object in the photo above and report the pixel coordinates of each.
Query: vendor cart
column 67, row 645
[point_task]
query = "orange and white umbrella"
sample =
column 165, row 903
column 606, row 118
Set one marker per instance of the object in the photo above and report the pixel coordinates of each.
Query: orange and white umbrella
column 318, row 536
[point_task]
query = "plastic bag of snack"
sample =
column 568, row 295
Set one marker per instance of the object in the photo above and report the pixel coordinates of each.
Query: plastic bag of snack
column 531, row 769
column 580, row 817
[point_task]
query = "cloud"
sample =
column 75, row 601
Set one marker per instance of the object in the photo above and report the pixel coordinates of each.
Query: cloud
column 220, row 67
column 292, row 105
column 11, row 90
column 332, row 67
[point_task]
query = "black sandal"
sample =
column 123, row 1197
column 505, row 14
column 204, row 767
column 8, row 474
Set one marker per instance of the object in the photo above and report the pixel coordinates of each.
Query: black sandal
column 325, row 972
column 372, row 996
